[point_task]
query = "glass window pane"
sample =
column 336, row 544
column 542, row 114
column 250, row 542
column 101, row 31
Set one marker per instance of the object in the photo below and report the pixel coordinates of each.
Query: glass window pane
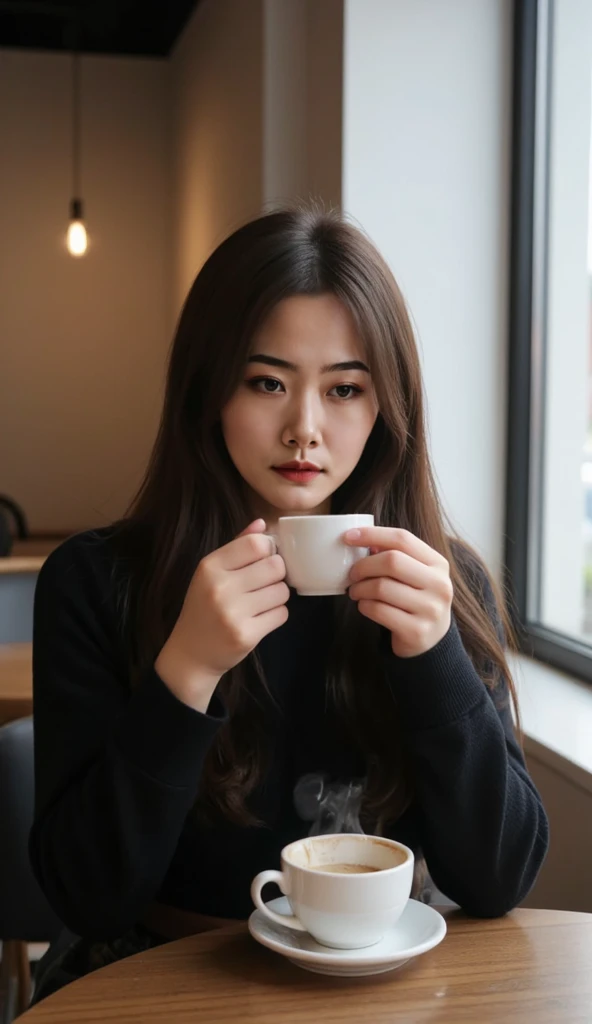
column 564, row 434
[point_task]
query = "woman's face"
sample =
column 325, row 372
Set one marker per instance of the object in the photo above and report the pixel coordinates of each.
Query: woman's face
column 306, row 398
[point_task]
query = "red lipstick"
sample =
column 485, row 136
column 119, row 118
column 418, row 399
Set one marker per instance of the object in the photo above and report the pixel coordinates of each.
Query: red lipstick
column 298, row 472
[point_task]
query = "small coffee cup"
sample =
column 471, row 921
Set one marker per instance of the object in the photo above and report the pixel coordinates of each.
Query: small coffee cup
column 318, row 561
column 345, row 890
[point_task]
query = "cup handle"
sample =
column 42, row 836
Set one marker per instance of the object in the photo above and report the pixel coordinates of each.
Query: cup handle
column 287, row 920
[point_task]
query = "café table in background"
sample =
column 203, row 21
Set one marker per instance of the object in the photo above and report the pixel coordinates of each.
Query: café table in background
column 530, row 967
column 18, row 578
column 16, row 681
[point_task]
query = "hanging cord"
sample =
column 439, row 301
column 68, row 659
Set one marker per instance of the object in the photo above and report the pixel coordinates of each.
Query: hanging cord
column 71, row 33
column 76, row 125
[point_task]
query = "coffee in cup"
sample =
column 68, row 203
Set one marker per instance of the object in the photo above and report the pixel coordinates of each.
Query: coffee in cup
column 346, row 890
column 346, row 869
column 318, row 561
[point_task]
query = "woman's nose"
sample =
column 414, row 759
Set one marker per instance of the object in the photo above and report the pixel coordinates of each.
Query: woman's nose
column 303, row 430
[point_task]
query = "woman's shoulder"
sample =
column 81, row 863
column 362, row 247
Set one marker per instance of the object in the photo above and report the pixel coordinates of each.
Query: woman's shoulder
column 85, row 562
column 83, row 590
column 90, row 547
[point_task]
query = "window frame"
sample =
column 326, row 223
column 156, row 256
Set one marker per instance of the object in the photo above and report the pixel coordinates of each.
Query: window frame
column 526, row 356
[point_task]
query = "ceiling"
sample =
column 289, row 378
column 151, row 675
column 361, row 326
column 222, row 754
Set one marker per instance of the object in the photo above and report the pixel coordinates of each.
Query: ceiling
column 134, row 27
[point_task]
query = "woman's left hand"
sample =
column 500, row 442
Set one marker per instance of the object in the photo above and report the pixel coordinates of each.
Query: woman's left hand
column 404, row 585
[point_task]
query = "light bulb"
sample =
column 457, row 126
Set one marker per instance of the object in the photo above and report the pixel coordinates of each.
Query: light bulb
column 76, row 239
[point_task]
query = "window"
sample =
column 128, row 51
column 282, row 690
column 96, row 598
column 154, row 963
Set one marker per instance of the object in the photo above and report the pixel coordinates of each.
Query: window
column 549, row 481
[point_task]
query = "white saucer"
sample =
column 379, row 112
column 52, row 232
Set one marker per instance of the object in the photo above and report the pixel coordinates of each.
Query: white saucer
column 419, row 928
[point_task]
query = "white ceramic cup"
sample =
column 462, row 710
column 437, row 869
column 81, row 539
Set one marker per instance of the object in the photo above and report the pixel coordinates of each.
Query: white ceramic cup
column 318, row 561
column 344, row 911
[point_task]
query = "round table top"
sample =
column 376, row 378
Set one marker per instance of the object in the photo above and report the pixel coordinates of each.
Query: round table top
column 533, row 965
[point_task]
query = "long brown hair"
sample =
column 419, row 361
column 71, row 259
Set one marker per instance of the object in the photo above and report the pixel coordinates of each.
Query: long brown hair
column 192, row 499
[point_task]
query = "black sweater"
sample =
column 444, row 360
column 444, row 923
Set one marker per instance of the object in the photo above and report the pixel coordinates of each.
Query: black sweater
column 117, row 769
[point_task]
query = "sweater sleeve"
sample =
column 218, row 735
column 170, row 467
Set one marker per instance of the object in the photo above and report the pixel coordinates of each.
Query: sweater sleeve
column 116, row 770
column 483, row 828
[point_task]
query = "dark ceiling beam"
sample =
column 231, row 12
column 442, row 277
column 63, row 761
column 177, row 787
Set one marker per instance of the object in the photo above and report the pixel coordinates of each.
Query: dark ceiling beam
column 123, row 27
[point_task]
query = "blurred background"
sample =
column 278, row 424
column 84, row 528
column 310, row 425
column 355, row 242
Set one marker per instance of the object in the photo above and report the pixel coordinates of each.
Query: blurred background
column 192, row 117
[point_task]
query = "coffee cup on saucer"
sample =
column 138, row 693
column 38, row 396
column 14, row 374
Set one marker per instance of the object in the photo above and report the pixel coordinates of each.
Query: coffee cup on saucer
column 345, row 890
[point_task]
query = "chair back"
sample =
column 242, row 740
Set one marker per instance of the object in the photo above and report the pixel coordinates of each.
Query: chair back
column 24, row 911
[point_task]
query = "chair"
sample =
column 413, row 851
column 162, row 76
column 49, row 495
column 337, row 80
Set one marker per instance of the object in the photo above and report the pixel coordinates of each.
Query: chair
column 8, row 505
column 25, row 915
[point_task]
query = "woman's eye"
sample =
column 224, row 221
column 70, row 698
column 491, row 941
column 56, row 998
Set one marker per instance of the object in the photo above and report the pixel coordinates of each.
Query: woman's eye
column 267, row 385
column 346, row 390
column 271, row 386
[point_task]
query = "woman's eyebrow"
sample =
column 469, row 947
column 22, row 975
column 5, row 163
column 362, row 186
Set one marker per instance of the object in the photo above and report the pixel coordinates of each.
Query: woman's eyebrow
column 349, row 364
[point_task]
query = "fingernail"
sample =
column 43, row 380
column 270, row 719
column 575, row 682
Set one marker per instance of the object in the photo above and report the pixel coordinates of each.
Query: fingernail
column 353, row 535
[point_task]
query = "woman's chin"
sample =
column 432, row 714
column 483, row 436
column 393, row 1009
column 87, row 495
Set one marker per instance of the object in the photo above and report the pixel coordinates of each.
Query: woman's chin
column 297, row 500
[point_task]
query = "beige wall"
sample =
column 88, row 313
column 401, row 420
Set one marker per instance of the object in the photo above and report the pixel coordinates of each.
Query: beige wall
column 285, row 151
column 256, row 101
column 325, row 99
column 303, row 100
column 82, row 342
column 217, row 105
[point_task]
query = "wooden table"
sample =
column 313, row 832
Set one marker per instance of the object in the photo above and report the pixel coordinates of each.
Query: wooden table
column 16, row 681
column 28, row 555
column 532, row 966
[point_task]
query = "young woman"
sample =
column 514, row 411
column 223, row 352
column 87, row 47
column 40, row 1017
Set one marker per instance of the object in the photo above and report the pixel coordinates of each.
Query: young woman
column 182, row 690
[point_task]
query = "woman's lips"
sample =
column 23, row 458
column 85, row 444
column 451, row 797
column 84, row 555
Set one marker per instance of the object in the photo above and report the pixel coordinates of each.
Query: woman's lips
column 298, row 476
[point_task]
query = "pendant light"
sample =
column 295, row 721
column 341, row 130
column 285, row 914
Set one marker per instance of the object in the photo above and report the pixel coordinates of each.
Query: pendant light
column 76, row 239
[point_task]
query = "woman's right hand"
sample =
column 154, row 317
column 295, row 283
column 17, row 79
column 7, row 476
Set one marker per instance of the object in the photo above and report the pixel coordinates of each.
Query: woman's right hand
column 236, row 597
